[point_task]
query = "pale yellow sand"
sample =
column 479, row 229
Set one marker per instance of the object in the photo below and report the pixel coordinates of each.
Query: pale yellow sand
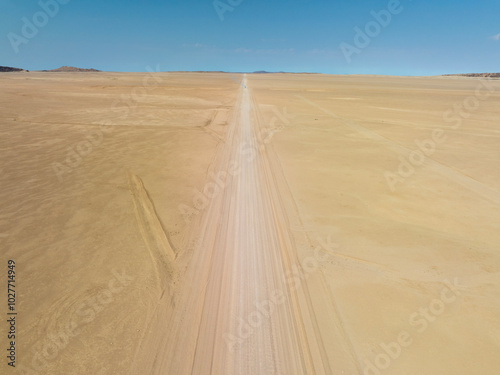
column 266, row 224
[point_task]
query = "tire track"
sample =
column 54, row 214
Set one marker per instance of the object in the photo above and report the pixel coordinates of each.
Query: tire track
column 458, row 177
column 152, row 231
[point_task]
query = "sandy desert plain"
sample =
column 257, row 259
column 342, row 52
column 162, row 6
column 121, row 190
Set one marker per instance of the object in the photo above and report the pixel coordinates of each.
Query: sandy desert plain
column 211, row 223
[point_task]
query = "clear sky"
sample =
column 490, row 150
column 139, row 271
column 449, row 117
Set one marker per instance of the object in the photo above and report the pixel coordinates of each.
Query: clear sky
column 424, row 37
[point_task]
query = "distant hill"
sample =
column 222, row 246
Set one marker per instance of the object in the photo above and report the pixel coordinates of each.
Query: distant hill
column 10, row 69
column 71, row 69
column 280, row 72
column 482, row 75
column 266, row 72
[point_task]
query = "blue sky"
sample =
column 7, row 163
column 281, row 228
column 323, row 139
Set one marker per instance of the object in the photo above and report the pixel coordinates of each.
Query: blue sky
column 424, row 38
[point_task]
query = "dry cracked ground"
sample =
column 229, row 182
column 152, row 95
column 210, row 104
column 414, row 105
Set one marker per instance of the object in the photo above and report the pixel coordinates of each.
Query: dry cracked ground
column 206, row 223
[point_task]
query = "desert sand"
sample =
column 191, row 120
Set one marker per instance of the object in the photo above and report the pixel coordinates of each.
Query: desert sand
column 210, row 223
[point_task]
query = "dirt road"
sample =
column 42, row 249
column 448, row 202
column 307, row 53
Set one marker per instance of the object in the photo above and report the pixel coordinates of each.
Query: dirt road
column 238, row 309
